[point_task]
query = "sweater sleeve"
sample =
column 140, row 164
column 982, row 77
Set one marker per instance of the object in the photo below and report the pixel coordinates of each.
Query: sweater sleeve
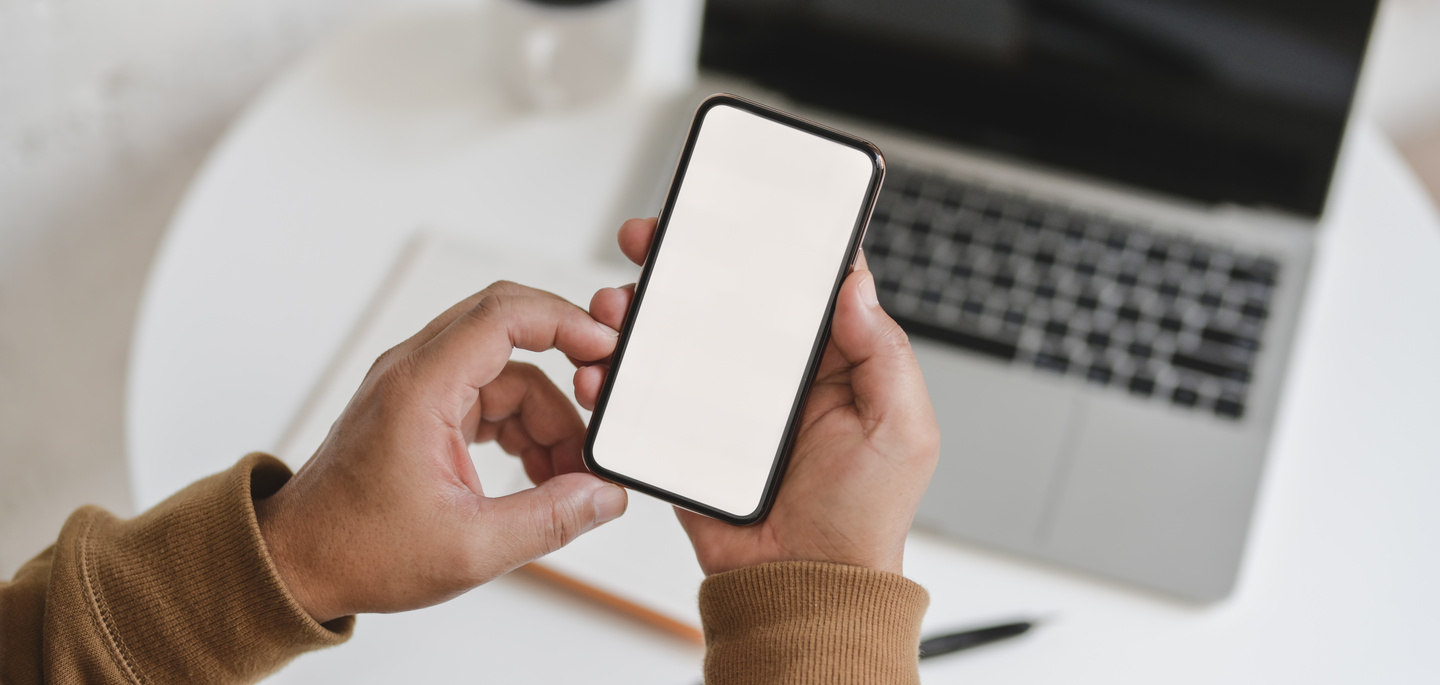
column 185, row 592
column 811, row 622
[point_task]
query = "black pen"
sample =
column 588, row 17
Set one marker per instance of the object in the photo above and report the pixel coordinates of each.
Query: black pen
column 966, row 639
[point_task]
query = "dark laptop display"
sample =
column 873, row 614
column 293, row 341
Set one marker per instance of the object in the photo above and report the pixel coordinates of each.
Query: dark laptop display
column 1240, row 101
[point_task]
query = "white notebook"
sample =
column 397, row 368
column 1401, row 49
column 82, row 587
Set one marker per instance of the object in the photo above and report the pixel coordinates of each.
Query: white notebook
column 641, row 563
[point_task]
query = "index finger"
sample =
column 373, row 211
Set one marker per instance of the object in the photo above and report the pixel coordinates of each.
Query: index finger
column 474, row 348
column 440, row 323
column 635, row 237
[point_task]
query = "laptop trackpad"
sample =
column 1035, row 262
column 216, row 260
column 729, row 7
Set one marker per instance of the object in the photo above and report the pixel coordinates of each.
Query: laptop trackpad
column 1001, row 435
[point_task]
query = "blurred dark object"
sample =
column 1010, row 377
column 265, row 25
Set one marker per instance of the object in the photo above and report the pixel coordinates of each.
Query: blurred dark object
column 969, row 639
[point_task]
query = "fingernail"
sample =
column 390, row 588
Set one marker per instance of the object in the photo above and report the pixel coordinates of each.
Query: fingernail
column 608, row 330
column 609, row 502
column 867, row 290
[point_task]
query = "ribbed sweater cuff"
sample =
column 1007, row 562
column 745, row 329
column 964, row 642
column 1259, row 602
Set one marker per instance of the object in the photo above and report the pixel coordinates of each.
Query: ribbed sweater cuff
column 187, row 592
column 811, row 622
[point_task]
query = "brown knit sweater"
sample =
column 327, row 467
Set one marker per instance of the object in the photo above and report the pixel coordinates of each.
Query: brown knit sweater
column 187, row 592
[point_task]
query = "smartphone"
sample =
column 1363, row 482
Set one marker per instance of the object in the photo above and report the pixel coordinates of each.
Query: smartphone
column 731, row 314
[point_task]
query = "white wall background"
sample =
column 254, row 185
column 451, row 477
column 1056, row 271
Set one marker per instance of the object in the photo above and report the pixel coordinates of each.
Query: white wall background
column 106, row 110
column 108, row 107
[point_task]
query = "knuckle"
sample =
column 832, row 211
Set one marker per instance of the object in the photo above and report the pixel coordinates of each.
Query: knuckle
column 896, row 335
column 561, row 528
column 896, row 343
column 395, row 376
column 384, row 361
column 488, row 306
column 503, row 287
column 930, row 440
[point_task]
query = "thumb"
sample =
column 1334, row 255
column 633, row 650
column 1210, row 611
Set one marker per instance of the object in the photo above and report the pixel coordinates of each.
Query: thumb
column 532, row 523
column 884, row 374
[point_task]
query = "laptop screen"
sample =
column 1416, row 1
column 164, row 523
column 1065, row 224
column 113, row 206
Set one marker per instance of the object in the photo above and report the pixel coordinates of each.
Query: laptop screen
column 1240, row 101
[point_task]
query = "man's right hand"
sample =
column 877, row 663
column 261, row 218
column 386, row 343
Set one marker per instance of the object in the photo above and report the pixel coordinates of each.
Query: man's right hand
column 867, row 445
column 390, row 514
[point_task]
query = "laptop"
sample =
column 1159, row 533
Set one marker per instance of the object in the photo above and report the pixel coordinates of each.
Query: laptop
column 1096, row 226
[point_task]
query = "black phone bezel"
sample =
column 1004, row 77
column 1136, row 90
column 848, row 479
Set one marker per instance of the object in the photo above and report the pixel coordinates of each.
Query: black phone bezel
column 822, row 337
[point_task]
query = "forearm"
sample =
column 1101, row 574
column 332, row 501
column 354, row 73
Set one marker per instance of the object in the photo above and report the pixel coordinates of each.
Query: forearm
column 186, row 592
column 811, row 622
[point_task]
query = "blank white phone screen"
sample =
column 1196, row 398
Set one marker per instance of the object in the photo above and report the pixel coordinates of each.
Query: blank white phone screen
column 734, row 305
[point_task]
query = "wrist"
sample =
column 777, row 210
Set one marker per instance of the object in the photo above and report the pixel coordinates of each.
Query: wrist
column 288, row 552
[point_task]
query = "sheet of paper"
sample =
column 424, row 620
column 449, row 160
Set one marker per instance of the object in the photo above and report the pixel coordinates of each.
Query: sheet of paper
column 644, row 557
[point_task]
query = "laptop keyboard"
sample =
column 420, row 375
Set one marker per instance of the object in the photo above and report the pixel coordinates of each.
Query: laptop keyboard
column 1071, row 293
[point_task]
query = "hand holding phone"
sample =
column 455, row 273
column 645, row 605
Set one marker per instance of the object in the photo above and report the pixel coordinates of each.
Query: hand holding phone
column 866, row 447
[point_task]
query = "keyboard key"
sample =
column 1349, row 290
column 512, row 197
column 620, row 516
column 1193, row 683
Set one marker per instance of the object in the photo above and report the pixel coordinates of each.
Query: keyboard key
column 1171, row 322
column 1099, row 374
column 1087, row 301
column 1057, row 328
column 1230, row 405
column 963, row 333
column 1098, row 339
column 1184, row 397
column 1216, row 334
column 1261, row 271
column 1058, row 363
column 973, row 307
column 1255, row 310
column 1140, row 349
column 1015, row 317
column 1225, row 361
column 1129, row 312
column 1142, row 385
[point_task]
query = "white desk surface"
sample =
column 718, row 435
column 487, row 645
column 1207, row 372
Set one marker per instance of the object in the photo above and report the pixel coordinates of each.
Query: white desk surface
column 393, row 126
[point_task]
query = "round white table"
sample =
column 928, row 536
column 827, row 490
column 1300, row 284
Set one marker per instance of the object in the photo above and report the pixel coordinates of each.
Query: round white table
column 394, row 125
